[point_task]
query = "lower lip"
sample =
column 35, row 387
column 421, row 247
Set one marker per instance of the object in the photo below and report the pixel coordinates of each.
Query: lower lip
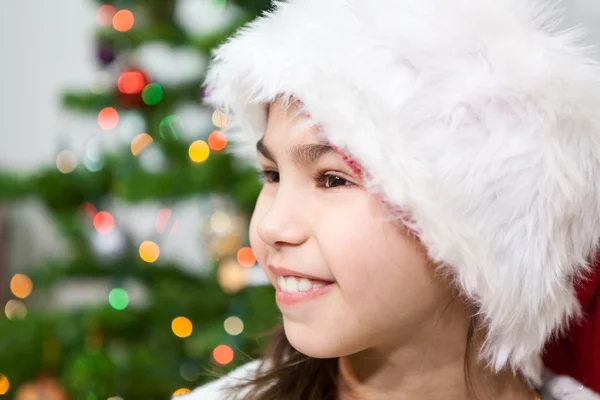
column 288, row 299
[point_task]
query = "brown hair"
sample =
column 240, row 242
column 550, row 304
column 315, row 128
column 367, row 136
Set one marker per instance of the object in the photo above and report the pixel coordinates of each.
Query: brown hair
column 285, row 373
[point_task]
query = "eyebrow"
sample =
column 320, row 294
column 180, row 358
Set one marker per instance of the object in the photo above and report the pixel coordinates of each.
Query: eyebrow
column 301, row 154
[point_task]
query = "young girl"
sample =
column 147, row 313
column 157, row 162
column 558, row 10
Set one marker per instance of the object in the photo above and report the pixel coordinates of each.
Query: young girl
column 430, row 201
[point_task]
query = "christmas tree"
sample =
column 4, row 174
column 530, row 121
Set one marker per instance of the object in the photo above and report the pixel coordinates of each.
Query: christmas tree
column 155, row 327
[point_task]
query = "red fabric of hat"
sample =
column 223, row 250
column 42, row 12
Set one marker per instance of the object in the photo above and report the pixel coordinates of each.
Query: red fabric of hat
column 578, row 353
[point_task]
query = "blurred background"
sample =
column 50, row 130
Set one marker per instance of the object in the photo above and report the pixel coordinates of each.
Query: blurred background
column 125, row 267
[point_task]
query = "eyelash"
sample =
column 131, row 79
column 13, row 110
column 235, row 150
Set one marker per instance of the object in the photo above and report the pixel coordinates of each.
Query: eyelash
column 318, row 178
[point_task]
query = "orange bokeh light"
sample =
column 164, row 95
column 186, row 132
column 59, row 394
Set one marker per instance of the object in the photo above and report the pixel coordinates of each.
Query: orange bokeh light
column 223, row 354
column 246, row 257
column 108, row 118
column 217, row 140
column 139, row 143
column 182, row 327
column 123, row 20
column 104, row 222
column 21, row 286
column 131, row 82
column 105, row 14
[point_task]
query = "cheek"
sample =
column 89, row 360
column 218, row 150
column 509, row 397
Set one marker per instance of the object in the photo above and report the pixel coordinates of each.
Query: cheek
column 256, row 243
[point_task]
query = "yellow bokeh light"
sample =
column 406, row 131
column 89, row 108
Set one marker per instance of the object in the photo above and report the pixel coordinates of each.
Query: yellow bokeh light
column 21, row 286
column 181, row 391
column 149, row 251
column 234, row 326
column 15, row 310
column 66, row 161
column 231, row 276
column 199, row 151
column 182, row 327
column 4, row 384
column 219, row 118
column 139, row 143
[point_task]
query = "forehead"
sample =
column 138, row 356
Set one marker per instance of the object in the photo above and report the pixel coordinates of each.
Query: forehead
column 287, row 124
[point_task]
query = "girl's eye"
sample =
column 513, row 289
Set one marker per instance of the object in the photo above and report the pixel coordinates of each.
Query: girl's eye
column 322, row 179
column 329, row 181
column 268, row 176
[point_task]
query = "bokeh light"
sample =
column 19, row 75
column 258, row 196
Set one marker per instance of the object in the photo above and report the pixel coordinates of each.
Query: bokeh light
column 108, row 118
column 220, row 222
column 149, row 251
column 219, row 119
column 246, row 257
column 118, row 298
column 231, row 276
column 105, row 14
column 15, row 310
column 66, row 161
column 104, row 222
column 4, row 384
column 199, row 151
column 169, row 127
column 140, row 142
column 131, row 82
column 152, row 94
column 223, row 354
column 181, row 391
column 21, row 286
column 217, row 140
column 123, row 20
column 233, row 325
column 182, row 327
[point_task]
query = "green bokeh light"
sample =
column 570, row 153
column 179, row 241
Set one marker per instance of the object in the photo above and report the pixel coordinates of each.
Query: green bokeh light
column 152, row 94
column 118, row 298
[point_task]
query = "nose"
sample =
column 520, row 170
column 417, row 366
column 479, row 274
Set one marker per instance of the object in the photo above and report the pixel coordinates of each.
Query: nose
column 285, row 221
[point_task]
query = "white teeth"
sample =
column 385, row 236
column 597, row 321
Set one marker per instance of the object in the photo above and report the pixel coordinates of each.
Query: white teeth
column 293, row 285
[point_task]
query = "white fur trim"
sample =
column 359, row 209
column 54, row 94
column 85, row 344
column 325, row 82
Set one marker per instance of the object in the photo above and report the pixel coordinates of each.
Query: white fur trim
column 475, row 115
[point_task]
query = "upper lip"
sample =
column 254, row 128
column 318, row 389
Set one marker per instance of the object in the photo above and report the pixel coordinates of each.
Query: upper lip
column 281, row 271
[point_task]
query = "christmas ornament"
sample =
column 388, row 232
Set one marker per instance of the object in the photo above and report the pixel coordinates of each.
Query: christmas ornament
column 105, row 54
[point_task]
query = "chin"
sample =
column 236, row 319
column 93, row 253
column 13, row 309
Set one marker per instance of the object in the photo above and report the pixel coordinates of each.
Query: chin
column 308, row 342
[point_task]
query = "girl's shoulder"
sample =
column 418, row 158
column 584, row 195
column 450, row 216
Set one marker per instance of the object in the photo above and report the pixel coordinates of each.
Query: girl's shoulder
column 212, row 390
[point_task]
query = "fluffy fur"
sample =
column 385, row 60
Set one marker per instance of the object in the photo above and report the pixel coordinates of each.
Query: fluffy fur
column 476, row 116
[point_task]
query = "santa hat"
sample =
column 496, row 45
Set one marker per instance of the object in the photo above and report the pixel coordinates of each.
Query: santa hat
column 477, row 119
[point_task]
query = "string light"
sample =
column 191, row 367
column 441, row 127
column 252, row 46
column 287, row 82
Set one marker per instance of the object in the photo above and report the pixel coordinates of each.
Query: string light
column 140, row 142
column 223, row 354
column 4, row 384
column 246, row 257
column 118, row 299
column 233, row 326
column 104, row 222
column 105, row 14
column 182, row 327
column 21, row 286
column 66, row 161
column 220, row 222
column 123, row 21
column 149, row 251
column 131, row 82
column 181, row 391
column 217, row 140
column 15, row 310
column 199, row 151
column 219, row 119
column 152, row 94
column 108, row 118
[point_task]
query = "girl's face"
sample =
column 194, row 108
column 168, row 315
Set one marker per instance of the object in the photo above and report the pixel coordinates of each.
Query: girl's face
column 385, row 292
